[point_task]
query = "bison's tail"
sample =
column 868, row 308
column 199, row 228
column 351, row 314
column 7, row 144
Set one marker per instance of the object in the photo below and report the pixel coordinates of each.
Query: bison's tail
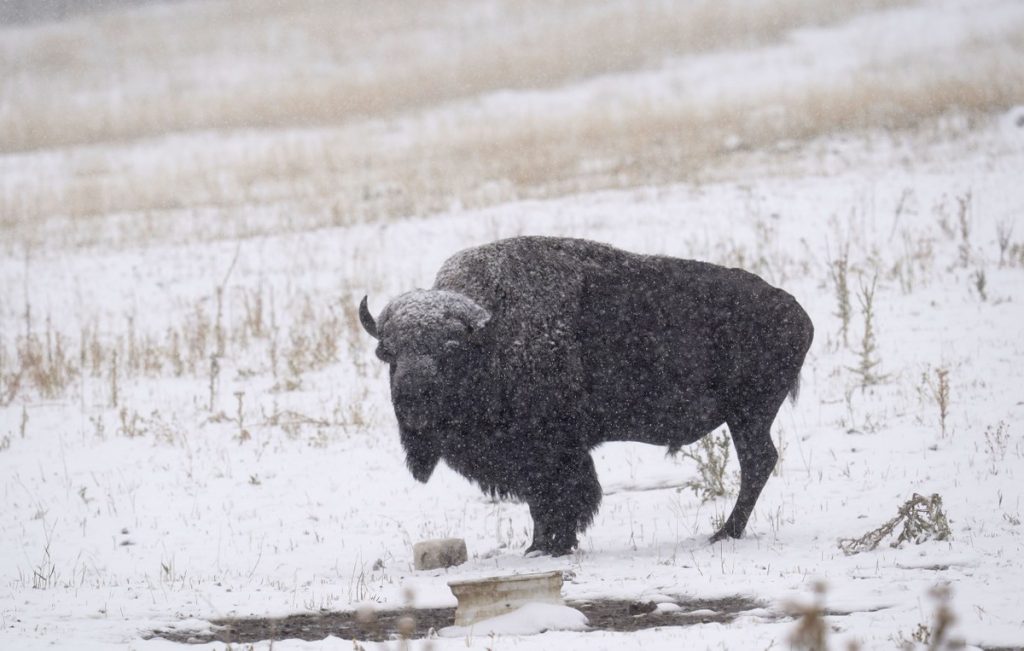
column 794, row 391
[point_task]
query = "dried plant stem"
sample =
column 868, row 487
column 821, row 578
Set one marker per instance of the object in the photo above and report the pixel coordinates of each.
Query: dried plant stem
column 838, row 270
column 868, row 354
column 1004, row 231
column 113, row 378
column 214, row 376
column 243, row 434
column 940, row 392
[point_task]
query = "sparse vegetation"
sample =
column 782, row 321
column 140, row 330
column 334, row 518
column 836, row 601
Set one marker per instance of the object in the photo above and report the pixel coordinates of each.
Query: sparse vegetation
column 867, row 353
column 131, row 423
column 997, row 440
column 838, row 270
column 980, row 283
column 1004, row 231
column 44, row 573
column 113, row 378
column 963, row 215
column 922, row 519
column 939, row 389
column 936, row 637
column 711, row 454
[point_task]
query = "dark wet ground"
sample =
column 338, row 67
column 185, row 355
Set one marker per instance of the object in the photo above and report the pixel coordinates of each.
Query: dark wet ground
column 603, row 614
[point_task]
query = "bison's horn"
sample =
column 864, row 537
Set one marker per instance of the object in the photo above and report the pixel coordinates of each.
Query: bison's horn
column 367, row 319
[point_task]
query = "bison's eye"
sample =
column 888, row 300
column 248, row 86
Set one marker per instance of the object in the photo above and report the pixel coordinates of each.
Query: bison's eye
column 453, row 347
column 384, row 354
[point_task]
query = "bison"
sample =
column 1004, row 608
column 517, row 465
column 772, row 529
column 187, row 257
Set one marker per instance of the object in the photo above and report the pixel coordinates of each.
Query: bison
column 529, row 352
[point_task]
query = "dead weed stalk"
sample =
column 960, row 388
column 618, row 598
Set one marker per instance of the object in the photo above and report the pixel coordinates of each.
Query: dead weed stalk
column 922, row 519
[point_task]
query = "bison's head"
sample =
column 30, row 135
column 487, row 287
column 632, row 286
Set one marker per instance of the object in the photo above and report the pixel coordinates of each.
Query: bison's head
column 428, row 338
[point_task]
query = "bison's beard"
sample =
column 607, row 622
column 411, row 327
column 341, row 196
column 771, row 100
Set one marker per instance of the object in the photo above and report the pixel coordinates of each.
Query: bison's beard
column 422, row 452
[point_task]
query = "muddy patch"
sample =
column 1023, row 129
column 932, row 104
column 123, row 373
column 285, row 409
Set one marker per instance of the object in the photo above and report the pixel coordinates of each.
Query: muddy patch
column 383, row 625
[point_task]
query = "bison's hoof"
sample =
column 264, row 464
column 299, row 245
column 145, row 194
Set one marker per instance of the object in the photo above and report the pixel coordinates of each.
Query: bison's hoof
column 722, row 534
column 535, row 550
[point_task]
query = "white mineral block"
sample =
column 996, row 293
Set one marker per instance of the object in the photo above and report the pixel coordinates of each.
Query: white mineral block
column 443, row 552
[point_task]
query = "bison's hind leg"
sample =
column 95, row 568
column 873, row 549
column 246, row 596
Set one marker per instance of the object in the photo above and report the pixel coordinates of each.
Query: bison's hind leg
column 752, row 438
column 563, row 500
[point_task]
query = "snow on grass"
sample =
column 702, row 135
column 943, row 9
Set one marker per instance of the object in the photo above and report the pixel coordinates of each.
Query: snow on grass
column 107, row 532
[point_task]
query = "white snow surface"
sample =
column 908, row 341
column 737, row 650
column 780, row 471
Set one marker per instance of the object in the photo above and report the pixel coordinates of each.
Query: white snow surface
column 146, row 532
column 106, row 537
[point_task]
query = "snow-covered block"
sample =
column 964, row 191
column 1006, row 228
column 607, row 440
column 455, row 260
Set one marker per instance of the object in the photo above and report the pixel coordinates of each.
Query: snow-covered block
column 482, row 599
column 442, row 552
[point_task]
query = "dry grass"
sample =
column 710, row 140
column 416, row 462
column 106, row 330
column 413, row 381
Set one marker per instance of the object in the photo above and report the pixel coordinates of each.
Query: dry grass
column 366, row 172
column 305, row 335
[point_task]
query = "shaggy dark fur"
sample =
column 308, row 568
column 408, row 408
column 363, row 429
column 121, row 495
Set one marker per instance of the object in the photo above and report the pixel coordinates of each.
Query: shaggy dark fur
column 531, row 351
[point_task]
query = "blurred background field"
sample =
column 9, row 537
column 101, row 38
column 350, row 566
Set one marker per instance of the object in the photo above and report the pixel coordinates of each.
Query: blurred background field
column 331, row 113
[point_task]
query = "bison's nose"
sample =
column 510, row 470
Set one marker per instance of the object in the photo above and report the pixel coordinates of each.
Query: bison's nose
column 411, row 393
column 413, row 390
column 415, row 375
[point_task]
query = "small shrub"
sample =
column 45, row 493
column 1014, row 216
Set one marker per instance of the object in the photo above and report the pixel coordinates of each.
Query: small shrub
column 1004, row 231
column 868, row 354
column 711, row 454
column 997, row 440
column 838, row 269
column 980, row 283
column 940, row 394
column 132, row 425
column 1016, row 255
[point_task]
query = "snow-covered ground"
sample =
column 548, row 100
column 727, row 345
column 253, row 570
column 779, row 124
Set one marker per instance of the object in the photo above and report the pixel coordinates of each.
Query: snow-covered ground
column 145, row 486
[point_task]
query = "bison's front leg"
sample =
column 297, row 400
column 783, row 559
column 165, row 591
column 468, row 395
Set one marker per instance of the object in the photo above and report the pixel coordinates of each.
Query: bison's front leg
column 563, row 500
